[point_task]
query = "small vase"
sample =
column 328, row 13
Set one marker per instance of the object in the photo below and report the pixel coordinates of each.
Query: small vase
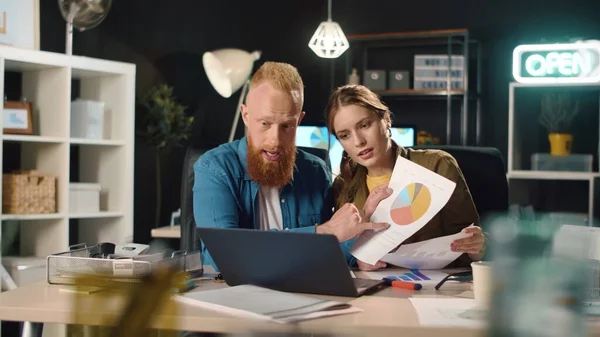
column 560, row 144
column 354, row 78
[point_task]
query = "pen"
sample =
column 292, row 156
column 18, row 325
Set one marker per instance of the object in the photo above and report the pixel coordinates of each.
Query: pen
column 402, row 284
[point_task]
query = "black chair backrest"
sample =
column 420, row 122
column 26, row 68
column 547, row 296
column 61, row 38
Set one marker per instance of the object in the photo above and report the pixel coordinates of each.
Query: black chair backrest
column 321, row 153
column 190, row 241
column 485, row 174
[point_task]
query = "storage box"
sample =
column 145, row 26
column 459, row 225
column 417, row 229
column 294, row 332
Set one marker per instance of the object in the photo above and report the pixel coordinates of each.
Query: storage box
column 573, row 162
column 87, row 119
column 24, row 269
column 399, row 80
column 28, row 192
column 84, row 198
column 375, row 79
column 439, row 61
column 440, row 74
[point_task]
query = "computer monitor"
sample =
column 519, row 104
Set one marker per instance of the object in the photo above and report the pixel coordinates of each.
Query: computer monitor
column 318, row 136
column 313, row 136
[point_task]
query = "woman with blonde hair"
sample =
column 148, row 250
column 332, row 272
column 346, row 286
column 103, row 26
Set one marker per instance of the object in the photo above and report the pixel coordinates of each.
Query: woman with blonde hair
column 362, row 124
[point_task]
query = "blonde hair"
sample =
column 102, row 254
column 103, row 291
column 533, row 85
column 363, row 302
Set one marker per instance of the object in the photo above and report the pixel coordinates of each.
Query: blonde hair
column 282, row 76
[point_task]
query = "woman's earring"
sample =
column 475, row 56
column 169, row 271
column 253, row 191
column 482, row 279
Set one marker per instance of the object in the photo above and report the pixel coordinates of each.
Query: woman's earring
column 390, row 132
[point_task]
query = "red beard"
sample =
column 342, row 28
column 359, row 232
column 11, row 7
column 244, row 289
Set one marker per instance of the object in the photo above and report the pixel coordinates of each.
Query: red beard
column 271, row 173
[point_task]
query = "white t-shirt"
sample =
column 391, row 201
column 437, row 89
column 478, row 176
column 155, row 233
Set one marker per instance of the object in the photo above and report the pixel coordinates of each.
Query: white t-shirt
column 269, row 208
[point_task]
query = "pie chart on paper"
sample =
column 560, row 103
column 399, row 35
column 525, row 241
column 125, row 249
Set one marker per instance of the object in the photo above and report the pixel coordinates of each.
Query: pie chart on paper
column 411, row 204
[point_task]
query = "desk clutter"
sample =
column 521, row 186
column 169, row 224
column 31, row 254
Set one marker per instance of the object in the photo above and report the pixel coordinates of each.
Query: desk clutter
column 121, row 263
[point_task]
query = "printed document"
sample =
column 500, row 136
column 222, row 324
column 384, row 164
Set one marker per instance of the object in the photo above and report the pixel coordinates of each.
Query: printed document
column 266, row 304
column 418, row 195
column 429, row 254
column 446, row 312
column 424, row 277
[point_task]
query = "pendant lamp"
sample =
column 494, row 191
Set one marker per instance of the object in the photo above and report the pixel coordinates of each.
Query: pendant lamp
column 329, row 40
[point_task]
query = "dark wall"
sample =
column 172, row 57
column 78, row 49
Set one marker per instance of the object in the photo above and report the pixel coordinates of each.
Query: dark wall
column 166, row 40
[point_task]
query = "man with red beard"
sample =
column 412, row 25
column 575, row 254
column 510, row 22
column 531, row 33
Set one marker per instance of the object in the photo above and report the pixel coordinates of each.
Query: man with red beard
column 264, row 182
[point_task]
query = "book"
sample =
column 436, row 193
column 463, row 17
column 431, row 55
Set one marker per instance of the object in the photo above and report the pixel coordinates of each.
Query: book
column 266, row 304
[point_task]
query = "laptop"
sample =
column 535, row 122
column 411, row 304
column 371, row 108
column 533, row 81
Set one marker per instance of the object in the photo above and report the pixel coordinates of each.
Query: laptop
column 285, row 261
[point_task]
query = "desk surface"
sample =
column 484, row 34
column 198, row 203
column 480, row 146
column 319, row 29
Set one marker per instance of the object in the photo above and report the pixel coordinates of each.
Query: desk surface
column 169, row 232
column 386, row 313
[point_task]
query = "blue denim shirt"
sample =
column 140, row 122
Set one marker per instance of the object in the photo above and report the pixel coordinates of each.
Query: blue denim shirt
column 226, row 197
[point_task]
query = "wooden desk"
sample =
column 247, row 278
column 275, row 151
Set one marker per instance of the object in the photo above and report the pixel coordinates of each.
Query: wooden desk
column 386, row 313
column 167, row 232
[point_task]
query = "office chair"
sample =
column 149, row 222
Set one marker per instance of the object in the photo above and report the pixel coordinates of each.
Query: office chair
column 485, row 174
column 189, row 240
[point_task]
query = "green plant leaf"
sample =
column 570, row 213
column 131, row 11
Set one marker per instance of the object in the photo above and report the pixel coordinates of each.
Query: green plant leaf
column 164, row 122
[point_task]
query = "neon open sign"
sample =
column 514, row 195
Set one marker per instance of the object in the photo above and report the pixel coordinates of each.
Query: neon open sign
column 557, row 63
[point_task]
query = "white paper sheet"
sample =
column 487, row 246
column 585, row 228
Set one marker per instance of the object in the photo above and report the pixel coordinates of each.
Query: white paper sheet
column 424, row 277
column 446, row 312
column 429, row 254
column 419, row 194
column 266, row 304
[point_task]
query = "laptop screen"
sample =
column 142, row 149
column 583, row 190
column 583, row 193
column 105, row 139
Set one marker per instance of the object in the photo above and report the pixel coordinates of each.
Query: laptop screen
column 319, row 137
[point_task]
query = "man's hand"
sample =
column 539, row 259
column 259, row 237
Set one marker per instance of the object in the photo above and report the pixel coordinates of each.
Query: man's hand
column 367, row 267
column 347, row 223
column 378, row 194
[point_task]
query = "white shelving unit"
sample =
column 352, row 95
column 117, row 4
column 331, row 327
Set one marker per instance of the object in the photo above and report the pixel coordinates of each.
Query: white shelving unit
column 47, row 82
column 516, row 137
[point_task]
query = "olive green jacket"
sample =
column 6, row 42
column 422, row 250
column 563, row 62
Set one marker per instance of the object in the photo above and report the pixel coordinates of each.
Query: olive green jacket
column 458, row 213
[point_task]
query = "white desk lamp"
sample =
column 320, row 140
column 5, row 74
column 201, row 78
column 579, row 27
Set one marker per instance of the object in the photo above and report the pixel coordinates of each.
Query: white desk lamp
column 227, row 70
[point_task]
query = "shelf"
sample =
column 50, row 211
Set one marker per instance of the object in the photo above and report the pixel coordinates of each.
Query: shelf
column 32, row 139
column 100, row 142
column 552, row 175
column 408, row 35
column 102, row 214
column 413, row 92
column 388, row 51
column 51, row 81
column 27, row 64
column 19, row 217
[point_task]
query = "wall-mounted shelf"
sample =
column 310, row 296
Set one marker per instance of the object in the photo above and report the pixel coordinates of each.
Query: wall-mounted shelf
column 445, row 39
column 522, row 137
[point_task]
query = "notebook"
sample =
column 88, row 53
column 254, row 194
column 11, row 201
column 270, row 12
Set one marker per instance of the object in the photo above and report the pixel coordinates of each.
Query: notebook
column 261, row 303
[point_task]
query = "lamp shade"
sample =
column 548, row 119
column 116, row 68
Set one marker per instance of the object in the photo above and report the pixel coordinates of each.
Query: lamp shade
column 329, row 40
column 228, row 69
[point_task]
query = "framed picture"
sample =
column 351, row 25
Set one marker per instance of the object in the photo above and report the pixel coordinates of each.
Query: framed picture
column 20, row 23
column 18, row 118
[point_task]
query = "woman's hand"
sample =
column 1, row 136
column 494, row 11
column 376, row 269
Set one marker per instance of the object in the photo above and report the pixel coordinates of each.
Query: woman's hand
column 367, row 267
column 473, row 245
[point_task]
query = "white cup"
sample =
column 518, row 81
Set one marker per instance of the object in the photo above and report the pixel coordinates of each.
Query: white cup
column 482, row 283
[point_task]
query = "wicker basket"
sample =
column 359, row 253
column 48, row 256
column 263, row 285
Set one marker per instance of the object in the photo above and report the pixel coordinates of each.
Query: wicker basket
column 28, row 192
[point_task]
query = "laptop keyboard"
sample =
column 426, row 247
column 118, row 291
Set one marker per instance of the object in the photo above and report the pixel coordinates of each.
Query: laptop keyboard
column 361, row 283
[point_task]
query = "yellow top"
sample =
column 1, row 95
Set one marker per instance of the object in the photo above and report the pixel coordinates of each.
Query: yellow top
column 373, row 182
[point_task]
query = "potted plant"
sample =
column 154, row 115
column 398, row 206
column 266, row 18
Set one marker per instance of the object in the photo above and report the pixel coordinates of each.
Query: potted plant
column 558, row 111
column 163, row 124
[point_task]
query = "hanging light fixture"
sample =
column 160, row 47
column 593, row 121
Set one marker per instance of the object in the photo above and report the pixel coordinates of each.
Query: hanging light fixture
column 329, row 40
